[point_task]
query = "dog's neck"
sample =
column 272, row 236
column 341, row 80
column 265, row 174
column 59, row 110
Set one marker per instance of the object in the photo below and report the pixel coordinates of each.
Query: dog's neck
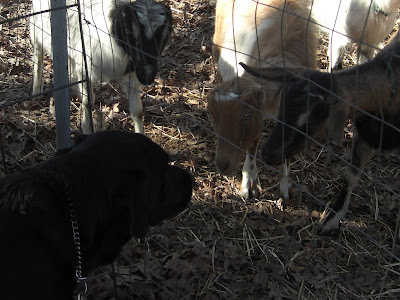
column 63, row 183
column 60, row 186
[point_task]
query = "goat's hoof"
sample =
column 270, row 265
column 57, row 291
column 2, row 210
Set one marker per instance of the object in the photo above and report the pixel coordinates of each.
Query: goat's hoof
column 249, row 193
column 284, row 196
column 250, row 190
column 290, row 193
column 86, row 128
column 324, row 231
column 329, row 224
column 285, row 189
column 280, row 204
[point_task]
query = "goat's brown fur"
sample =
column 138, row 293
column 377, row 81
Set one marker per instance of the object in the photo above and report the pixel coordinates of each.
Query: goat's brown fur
column 285, row 38
column 373, row 88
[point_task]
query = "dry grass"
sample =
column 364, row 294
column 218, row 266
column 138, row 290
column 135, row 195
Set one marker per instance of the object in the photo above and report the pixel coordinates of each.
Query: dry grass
column 220, row 247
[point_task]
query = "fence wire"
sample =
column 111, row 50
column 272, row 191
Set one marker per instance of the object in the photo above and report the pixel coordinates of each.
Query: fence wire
column 222, row 246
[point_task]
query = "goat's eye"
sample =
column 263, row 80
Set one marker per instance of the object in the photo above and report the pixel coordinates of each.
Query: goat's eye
column 247, row 116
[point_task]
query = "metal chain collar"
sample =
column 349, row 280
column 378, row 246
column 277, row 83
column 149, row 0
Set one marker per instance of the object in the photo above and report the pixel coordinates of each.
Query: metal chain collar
column 81, row 281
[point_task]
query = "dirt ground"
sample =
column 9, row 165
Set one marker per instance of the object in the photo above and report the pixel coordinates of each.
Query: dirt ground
column 220, row 247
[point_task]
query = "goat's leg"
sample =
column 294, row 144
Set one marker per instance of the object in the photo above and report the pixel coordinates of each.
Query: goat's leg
column 37, row 68
column 360, row 156
column 249, row 186
column 336, row 50
column 334, row 129
column 131, row 87
column 366, row 53
column 284, row 182
column 87, row 106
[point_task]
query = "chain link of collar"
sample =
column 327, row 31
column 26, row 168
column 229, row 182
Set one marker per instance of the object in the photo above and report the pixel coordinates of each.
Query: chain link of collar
column 81, row 281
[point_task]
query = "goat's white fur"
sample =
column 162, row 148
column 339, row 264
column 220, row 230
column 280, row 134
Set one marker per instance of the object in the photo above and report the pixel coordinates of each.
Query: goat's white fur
column 244, row 42
column 248, row 31
column 284, row 182
column 344, row 21
column 224, row 97
column 105, row 59
column 249, row 176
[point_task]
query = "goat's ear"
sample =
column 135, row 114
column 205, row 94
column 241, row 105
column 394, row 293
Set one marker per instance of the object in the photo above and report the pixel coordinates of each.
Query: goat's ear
column 125, row 24
column 273, row 73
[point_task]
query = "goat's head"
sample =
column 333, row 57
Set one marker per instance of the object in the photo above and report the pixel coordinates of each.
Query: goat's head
column 237, row 121
column 303, row 111
column 143, row 28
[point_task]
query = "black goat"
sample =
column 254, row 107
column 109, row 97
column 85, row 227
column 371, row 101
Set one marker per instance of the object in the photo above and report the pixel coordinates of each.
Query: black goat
column 370, row 92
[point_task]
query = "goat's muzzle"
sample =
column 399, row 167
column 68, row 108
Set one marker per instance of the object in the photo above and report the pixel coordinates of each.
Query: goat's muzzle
column 146, row 74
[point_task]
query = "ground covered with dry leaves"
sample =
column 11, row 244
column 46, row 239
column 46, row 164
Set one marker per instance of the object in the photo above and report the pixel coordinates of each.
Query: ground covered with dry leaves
column 220, row 247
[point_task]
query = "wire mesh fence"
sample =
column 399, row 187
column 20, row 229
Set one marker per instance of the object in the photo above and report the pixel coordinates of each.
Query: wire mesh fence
column 223, row 246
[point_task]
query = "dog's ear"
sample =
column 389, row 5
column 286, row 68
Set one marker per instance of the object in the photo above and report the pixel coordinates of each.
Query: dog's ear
column 139, row 213
column 13, row 193
column 20, row 192
column 79, row 139
column 130, row 194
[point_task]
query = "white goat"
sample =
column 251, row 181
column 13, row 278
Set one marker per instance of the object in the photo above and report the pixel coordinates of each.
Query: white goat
column 368, row 21
column 122, row 39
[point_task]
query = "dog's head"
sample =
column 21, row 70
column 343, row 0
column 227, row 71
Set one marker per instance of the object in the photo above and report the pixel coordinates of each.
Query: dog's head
column 134, row 173
column 121, row 184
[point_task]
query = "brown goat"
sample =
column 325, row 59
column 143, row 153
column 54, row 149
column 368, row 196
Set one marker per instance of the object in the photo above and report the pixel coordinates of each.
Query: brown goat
column 259, row 33
column 370, row 92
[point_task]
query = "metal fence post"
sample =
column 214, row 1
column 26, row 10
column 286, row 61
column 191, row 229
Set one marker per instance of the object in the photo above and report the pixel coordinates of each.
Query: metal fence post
column 60, row 69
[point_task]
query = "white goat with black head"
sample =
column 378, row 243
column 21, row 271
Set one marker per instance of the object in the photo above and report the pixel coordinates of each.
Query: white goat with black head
column 123, row 41
column 370, row 92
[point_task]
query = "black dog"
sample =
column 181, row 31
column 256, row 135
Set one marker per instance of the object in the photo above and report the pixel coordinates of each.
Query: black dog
column 117, row 184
